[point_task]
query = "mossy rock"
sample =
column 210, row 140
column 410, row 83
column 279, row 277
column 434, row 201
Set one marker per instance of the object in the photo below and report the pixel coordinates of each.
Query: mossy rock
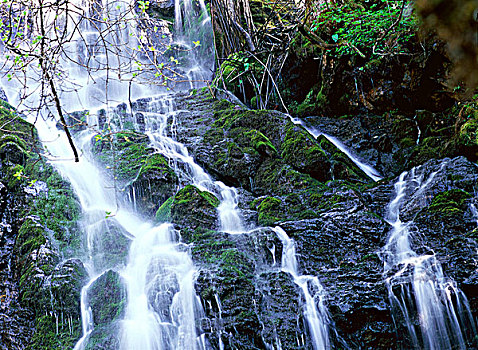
column 468, row 134
column 123, row 152
column 433, row 147
column 192, row 208
column 155, row 182
column 269, row 211
column 450, row 202
column 304, row 153
column 14, row 124
column 105, row 337
column 276, row 178
column 137, row 167
column 31, row 237
column 107, row 298
column 60, row 328
column 164, row 212
column 66, row 283
column 259, row 142
column 47, row 336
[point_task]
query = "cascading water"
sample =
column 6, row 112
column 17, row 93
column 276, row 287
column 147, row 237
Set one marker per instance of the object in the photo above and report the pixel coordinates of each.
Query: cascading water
column 193, row 39
column 317, row 318
column 161, row 307
column 434, row 311
column 158, row 113
column 367, row 169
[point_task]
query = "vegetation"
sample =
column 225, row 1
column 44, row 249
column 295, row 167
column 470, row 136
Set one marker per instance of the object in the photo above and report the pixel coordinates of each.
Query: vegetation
column 369, row 29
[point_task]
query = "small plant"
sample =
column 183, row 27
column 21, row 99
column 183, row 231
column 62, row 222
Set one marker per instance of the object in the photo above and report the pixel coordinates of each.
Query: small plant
column 374, row 27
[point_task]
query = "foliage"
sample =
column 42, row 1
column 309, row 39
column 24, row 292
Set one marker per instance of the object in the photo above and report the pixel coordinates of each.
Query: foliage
column 378, row 27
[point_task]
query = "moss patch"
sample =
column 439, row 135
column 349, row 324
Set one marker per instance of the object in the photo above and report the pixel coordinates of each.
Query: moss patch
column 449, row 202
column 269, row 211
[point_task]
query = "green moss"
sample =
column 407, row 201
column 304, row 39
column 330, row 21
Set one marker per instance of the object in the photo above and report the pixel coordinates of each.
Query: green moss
column 46, row 336
column 468, row 135
column 449, row 202
column 188, row 193
column 277, row 178
column 58, row 209
column 31, row 236
column 164, row 212
column 260, row 142
column 300, row 145
column 313, row 102
column 269, row 211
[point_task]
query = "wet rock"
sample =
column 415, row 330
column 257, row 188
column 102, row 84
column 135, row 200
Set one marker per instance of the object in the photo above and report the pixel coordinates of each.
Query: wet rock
column 340, row 247
column 110, row 242
column 66, row 282
column 162, row 8
column 155, row 183
column 239, row 145
column 107, row 298
column 144, row 173
column 248, row 301
column 191, row 209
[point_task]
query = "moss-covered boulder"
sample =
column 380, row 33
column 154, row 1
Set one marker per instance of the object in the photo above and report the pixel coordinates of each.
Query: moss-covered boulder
column 154, row 183
column 143, row 172
column 191, row 209
column 107, row 300
column 269, row 211
column 305, row 154
column 109, row 241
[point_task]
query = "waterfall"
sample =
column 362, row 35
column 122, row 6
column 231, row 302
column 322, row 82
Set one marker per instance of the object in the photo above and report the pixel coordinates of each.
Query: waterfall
column 161, row 307
column 317, row 318
column 194, row 31
column 367, row 169
column 435, row 312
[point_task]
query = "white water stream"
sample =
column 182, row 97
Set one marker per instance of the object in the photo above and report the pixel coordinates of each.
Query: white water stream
column 367, row 169
column 315, row 311
column 418, row 290
column 158, row 267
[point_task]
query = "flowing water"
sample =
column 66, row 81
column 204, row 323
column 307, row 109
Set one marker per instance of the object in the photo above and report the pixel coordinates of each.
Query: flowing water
column 367, row 169
column 315, row 310
column 429, row 304
column 161, row 307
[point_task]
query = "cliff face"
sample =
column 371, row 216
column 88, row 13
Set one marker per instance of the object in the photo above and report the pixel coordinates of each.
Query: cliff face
column 285, row 177
column 396, row 112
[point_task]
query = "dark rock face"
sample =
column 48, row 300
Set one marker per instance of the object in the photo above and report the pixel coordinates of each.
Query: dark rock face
column 249, row 302
column 341, row 248
column 340, row 242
